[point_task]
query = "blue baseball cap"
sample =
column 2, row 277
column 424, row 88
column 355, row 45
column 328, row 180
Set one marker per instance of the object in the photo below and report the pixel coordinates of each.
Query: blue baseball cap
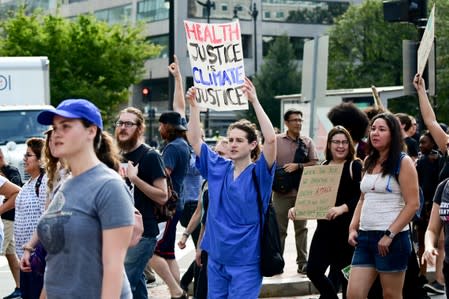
column 73, row 108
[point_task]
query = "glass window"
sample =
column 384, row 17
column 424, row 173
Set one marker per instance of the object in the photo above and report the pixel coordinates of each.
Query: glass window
column 247, row 46
column 161, row 40
column 303, row 12
column 74, row 1
column 222, row 10
column 115, row 15
column 152, row 10
column 296, row 42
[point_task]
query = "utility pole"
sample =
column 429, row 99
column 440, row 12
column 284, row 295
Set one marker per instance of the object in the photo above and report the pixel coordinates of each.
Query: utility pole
column 208, row 5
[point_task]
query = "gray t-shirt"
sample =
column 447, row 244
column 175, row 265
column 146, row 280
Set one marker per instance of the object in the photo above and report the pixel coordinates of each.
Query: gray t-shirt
column 71, row 232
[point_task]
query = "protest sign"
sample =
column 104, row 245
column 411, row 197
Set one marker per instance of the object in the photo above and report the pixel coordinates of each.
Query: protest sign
column 426, row 42
column 216, row 59
column 317, row 191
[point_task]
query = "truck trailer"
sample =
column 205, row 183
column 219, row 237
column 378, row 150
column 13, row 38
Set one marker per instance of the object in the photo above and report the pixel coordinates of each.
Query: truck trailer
column 24, row 93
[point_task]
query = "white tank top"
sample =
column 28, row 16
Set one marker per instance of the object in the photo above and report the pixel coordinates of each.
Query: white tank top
column 383, row 202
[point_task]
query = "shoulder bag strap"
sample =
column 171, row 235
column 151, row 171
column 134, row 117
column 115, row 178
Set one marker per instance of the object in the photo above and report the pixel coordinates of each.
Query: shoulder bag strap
column 38, row 183
column 350, row 170
column 146, row 150
column 259, row 200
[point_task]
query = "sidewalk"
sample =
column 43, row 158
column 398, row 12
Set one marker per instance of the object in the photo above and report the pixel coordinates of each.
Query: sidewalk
column 289, row 284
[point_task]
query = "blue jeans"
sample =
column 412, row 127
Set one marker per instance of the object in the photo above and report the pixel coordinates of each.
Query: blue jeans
column 136, row 260
column 366, row 252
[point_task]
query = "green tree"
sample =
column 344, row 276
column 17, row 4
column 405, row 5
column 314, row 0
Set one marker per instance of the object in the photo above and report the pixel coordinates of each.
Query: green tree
column 365, row 50
column 278, row 75
column 442, row 59
column 88, row 58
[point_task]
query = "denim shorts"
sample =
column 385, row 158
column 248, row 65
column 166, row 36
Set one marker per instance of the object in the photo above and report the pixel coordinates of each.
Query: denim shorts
column 366, row 253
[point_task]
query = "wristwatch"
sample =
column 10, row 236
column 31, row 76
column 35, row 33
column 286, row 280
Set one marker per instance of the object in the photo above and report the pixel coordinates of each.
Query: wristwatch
column 389, row 234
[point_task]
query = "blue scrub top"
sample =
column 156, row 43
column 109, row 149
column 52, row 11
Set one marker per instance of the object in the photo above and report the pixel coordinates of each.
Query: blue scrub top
column 232, row 235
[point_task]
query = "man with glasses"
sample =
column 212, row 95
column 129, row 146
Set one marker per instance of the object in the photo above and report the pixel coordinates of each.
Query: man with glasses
column 145, row 174
column 287, row 146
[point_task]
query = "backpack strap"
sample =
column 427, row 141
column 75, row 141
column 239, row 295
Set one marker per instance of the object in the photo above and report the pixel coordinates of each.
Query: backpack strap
column 38, row 183
column 259, row 200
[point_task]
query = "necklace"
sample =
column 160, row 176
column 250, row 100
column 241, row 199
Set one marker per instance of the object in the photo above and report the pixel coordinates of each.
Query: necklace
column 375, row 181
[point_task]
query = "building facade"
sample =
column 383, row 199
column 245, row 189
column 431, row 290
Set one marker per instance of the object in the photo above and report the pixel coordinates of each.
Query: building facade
column 261, row 21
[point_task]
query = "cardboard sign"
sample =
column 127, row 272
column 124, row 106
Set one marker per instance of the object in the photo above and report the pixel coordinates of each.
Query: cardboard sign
column 317, row 191
column 216, row 59
column 426, row 42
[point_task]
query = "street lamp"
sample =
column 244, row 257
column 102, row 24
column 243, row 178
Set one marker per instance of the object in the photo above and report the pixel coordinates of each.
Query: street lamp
column 253, row 12
column 208, row 5
column 171, row 49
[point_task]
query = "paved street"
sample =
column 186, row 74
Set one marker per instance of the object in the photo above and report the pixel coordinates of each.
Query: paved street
column 158, row 290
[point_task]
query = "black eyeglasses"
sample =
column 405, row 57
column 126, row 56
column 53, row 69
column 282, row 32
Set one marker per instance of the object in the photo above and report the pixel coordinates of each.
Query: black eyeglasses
column 127, row 124
column 27, row 155
column 340, row 142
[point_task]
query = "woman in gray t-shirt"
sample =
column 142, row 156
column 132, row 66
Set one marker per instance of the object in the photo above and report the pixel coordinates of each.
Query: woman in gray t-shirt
column 87, row 227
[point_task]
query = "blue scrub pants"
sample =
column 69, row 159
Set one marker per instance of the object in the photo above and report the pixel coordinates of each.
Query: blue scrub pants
column 233, row 281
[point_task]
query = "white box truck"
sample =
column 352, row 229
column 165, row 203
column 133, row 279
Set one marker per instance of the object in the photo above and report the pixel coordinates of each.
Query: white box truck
column 24, row 92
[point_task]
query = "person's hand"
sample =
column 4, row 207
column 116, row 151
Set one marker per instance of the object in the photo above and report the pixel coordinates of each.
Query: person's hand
column 131, row 171
column 173, row 68
column 352, row 239
column 25, row 265
column 383, row 245
column 419, row 83
column 198, row 257
column 182, row 242
column 191, row 97
column 291, row 167
column 334, row 212
column 292, row 214
column 250, row 91
column 429, row 256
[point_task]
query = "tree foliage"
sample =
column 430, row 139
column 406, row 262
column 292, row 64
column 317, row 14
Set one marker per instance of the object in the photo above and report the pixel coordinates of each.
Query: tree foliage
column 88, row 58
column 278, row 75
column 364, row 50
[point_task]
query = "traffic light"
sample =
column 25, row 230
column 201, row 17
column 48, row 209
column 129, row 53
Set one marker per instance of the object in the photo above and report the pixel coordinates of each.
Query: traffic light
column 146, row 94
column 405, row 10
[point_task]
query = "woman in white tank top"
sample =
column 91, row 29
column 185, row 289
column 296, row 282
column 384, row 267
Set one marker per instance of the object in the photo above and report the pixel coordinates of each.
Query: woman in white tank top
column 389, row 200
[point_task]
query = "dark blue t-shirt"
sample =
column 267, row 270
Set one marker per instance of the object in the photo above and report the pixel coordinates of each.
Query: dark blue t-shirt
column 176, row 156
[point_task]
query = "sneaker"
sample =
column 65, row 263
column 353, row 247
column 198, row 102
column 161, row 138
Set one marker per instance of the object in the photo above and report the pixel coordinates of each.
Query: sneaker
column 302, row 269
column 15, row 294
column 435, row 287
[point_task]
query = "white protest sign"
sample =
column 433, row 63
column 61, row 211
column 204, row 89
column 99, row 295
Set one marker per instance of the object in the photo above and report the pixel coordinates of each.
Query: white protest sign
column 216, row 58
column 426, row 42
column 317, row 191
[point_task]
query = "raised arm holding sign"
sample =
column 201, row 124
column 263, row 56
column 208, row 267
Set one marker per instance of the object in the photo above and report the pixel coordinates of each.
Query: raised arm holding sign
column 216, row 58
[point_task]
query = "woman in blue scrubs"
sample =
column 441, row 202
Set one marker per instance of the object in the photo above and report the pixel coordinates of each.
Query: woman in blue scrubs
column 232, row 235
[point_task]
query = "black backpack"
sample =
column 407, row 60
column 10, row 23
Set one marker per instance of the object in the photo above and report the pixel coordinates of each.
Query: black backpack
column 271, row 260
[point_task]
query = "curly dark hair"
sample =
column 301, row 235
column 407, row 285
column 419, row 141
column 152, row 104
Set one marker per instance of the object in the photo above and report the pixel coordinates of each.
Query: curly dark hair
column 351, row 118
